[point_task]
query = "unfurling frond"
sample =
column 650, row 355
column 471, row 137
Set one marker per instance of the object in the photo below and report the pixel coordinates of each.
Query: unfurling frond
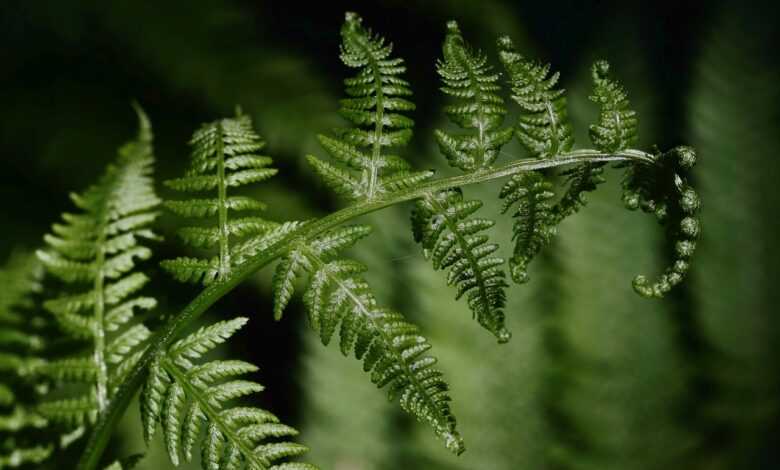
column 543, row 126
column 23, row 338
column 96, row 250
column 480, row 110
column 337, row 297
column 452, row 239
column 617, row 126
column 534, row 224
column 662, row 190
column 377, row 96
column 195, row 403
column 224, row 156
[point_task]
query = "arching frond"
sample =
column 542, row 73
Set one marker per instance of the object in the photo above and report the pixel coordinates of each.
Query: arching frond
column 377, row 96
column 224, row 156
column 195, row 403
column 96, row 250
column 534, row 224
column 480, row 110
column 337, row 297
column 452, row 239
column 543, row 126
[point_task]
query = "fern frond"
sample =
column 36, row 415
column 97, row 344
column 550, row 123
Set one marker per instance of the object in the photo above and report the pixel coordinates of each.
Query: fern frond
column 377, row 95
column 617, row 126
column 535, row 223
column 452, row 239
column 24, row 334
column 468, row 77
column 543, row 127
column 224, row 155
column 99, row 247
column 662, row 190
column 337, row 297
column 192, row 401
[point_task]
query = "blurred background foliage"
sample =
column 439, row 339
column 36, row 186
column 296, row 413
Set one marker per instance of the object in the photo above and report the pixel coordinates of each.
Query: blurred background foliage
column 595, row 377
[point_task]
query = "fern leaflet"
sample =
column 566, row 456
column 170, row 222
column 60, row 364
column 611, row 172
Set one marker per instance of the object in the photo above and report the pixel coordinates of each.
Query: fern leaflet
column 99, row 247
column 224, row 156
column 452, row 240
column 377, row 96
column 391, row 348
column 191, row 402
column 468, row 77
column 543, row 127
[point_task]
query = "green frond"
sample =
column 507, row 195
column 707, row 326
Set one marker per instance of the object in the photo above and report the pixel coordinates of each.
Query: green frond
column 97, row 250
column 193, row 404
column 534, row 224
column 127, row 463
column 480, row 109
column 24, row 340
column 224, row 155
column 392, row 350
column 543, row 127
column 617, row 126
column 442, row 224
column 579, row 180
column 377, row 95
column 662, row 190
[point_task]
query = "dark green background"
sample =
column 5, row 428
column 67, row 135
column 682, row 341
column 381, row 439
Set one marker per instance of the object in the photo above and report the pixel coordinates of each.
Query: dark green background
column 595, row 376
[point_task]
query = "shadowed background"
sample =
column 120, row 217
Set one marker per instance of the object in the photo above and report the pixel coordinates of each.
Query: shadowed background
column 594, row 377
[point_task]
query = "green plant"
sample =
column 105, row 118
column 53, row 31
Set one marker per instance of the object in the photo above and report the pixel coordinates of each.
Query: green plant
column 194, row 401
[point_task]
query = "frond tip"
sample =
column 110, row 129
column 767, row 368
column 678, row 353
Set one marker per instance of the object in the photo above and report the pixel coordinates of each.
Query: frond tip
column 451, row 239
column 188, row 398
column 662, row 190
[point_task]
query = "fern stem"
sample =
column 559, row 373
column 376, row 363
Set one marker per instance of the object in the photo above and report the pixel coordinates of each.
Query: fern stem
column 224, row 254
column 107, row 421
column 378, row 127
column 101, row 382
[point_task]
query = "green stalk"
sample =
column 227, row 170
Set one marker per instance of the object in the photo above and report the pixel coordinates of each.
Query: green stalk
column 103, row 429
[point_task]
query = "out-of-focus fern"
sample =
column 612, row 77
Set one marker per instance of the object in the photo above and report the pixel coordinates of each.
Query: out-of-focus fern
column 390, row 347
column 224, row 156
column 96, row 251
column 191, row 401
column 376, row 98
column 23, row 338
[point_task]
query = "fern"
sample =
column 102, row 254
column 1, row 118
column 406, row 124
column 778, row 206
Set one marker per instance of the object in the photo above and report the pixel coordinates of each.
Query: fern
column 468, row 77
column 23, row 340
column 191, row 402
column 194, row 400
column 376, row 99
column 96, row 251
column 440, row 221
column 224, row 156
column 454, row 241
column 391, row 348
